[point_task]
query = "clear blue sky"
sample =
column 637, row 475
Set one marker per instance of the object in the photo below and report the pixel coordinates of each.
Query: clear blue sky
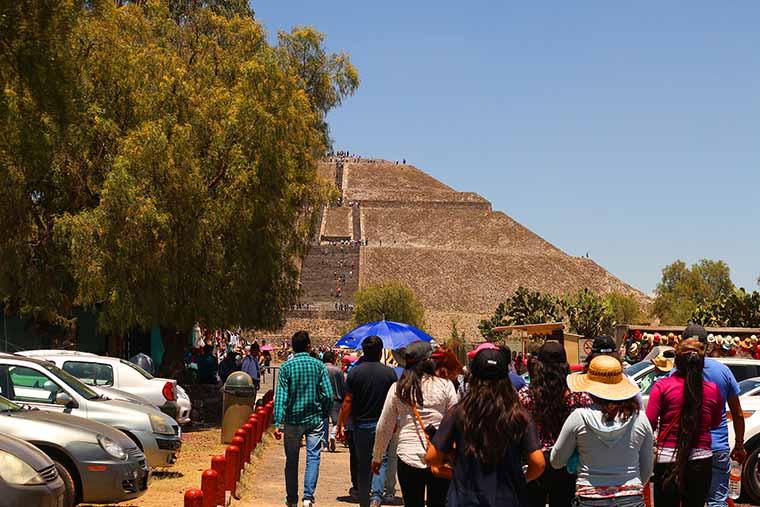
column 629, row 130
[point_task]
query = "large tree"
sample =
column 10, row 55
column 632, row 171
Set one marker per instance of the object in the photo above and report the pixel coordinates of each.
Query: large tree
column 389, row 301
column 683, row 288
column 162, row 169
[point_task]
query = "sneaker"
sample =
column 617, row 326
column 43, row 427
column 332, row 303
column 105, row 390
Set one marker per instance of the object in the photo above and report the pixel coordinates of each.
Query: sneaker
column 332, row 445
column 375, row 503
column 392, row 500
column 354, row 494
column 309, row 503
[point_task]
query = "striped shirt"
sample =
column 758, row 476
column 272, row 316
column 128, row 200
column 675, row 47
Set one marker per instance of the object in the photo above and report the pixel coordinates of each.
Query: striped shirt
column 304, row 394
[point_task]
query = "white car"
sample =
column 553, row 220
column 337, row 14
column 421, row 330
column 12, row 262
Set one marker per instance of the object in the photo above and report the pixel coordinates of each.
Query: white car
column 747, row 373
column 120, row 374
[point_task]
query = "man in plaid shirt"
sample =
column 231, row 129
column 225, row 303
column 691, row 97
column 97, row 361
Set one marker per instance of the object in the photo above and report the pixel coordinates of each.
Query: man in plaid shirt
column 302, row 401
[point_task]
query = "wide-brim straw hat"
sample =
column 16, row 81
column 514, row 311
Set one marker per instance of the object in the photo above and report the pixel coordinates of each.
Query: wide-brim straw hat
column 605, row 380
column 663, row 362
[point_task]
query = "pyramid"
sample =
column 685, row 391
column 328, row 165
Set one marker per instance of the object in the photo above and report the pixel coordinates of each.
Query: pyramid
column 459, row 256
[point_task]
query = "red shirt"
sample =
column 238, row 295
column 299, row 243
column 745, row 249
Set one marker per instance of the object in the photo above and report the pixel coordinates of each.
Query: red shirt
column 665, row 402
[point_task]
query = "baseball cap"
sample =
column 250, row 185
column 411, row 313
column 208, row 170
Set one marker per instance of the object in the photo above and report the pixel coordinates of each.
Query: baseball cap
column 695, row 331
column 490, row 364
column 416, row 352
column 552, row 352
column 603, row 345
column 483, row 346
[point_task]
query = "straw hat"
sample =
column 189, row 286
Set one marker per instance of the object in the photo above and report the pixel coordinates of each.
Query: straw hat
column 604, row 380
column 663, row 362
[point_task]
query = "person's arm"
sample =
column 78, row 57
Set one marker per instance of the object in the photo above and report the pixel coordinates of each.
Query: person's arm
column 280, row 401
column 737, row 418
column 385, row 427
column 536, row 465
column 646, row 454
column 325, row 392
column 345, row 413
column 566, row 443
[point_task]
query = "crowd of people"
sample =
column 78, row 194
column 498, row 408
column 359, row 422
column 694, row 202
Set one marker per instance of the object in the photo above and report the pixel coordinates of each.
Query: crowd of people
column 218, row 354
column 480, row 435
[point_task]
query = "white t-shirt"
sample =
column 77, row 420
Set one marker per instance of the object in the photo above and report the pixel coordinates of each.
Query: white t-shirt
column 439, row 396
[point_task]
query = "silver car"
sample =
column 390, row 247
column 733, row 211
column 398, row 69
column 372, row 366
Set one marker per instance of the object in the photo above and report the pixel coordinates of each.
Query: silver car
column 40, row 384
column 97, row 463
column 28, row 476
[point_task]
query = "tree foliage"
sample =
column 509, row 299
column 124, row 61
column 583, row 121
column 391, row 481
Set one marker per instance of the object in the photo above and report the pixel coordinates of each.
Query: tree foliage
column 327, row 78
column 737, row 309
column 683, row 288
column 390, row 301
column 588, row 314
column 159, row 165
column 523, row 307
column 625, row 308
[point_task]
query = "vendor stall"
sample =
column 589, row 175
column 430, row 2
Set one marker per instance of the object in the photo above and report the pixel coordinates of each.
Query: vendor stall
column 528, row 338
column 721, row 341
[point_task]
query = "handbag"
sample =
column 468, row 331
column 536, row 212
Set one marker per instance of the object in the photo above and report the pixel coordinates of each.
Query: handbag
column 443, row 472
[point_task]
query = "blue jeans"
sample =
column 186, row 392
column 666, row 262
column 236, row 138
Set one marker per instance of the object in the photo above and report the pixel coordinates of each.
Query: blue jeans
column 370, row 486
column 718, row 494
column 292, row 443
column 620, row 501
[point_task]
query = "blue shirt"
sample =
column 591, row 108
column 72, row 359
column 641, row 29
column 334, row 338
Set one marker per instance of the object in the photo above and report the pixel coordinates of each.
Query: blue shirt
column 719, row 374
column 251, row 367
column 517, row 381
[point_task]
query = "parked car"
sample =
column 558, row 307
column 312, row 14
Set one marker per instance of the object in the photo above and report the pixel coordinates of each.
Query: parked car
column 96, row 370
column 27, row 475
column 746, row 372
column 95, row 462
column 41, row 384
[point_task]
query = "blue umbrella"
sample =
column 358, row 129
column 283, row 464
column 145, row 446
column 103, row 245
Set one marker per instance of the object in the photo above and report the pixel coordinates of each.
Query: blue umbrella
column 395, row 335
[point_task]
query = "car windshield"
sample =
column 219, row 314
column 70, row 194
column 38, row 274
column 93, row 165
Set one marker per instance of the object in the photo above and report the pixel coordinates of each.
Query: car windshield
column 73, row 382
column 7, row 405
column 139, row 370
column 632, row 370
column 746, row 386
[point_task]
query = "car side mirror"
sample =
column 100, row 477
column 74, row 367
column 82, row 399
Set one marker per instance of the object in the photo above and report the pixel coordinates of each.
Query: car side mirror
column 65, row 400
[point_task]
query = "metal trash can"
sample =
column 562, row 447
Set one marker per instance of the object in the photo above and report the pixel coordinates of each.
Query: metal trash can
column 239, row 400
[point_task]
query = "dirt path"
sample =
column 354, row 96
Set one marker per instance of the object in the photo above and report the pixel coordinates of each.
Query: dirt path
column 265, row 487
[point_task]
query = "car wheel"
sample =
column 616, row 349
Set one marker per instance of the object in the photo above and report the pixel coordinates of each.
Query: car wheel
column 751, row 477
column 69, row 497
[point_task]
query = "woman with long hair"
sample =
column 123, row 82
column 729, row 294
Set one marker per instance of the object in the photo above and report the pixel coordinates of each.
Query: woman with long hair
column 488, row 435
column 685, row 408
column 612, row 439
column 550, row 402
column 417, row 404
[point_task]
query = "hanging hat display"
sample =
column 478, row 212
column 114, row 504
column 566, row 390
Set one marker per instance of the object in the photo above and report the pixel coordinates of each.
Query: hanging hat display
column 711, row 338
column 747, row 343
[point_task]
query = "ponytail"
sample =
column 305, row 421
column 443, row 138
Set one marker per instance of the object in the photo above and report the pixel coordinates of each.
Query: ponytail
column 690, row 364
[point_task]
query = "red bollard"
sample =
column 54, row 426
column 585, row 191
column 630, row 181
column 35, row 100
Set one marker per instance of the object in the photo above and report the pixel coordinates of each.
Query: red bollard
column 256, row 421
column 263, row 417
column 240, row 444
column 193, row 498
column 218, row 465
column 209, row 486
column 248, row 428
column 232, row 458
column 246, row 454
column 253, row 421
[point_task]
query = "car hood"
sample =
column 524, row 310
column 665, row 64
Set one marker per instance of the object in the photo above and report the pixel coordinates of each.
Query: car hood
column 26, row 452
column 71, row 425
column 116, row 394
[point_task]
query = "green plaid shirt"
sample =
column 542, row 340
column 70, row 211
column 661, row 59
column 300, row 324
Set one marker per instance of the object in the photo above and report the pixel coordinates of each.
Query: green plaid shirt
column 304, row 394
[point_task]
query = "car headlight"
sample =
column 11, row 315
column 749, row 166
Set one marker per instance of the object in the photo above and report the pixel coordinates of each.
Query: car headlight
column 112, row 448
column 159, row 425
column 14, row 470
